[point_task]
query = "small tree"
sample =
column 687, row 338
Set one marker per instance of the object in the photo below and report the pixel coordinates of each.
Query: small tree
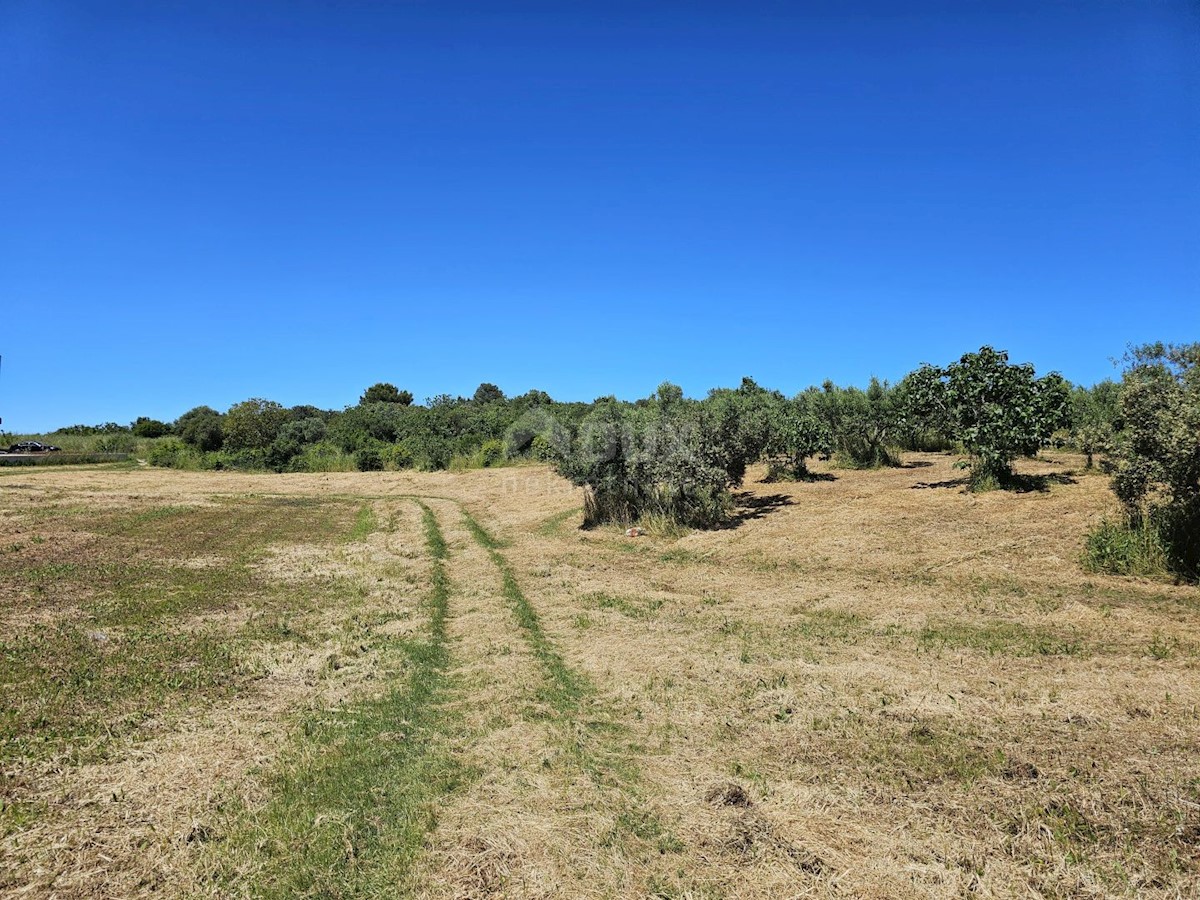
column 487, row 393
column 795, row 435
column 996, row 410
column 1094, row 416
column 146, row 427
column 201, row 428
column 385, row 393
column 1158, row 455
column 253, row 424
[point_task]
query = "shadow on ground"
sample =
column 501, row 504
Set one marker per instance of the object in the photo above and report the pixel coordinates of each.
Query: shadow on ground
column 750, row 506
column 1018, row 484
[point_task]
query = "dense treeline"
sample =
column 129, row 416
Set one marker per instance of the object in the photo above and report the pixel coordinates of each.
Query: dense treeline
column 677, row 459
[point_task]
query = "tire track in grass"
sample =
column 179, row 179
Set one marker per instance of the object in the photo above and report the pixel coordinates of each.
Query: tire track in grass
column 351, row 806
column 593, row 736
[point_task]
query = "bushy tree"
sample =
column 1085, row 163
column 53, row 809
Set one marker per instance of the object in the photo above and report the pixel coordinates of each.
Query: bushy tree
column 293, row 437
column 383, row 392
column 487, row 393
column 862, row 425
column 997, row 410
column 1158, row 455
column 796, row 435
column 667, row 457
column 146, row 427
column 201, row 428
column 253, row 424
column 538, row 422
column 1095, row 416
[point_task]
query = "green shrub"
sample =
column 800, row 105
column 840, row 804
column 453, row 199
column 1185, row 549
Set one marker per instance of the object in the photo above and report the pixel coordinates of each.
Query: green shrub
column 201, row 428
column 542, row 450
column 114, row 443
column 324, row 456
column 1157, row 456
column 397, row 457
column 253, row 424
column 172, row 454
column 369, row 458
column 663, row 457
column 491, row 454
column 150, row 428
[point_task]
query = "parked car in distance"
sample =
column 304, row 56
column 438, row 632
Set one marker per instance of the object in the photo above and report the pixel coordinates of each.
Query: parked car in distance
column 32, row 447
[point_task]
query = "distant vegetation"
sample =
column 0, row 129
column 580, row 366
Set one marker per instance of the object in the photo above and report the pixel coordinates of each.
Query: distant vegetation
column 675, row 459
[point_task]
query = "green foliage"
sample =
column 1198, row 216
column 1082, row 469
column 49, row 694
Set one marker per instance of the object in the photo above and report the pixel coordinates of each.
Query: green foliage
column 253, row 424
column 369, row 458
column 795, row 436
column 150, row 428
column 385, row 393
column 121, row 442
column 862, row 425
column 201, row 428
column 666, row 456
column 293, row 437
column 324, row 456
column 1157, row 475
column 172, row 454
column 538, row 428
column 1095, row 418
column 491, row 453
column 996, row 410
column 397, row 457
column 488, row 393
column 88, row 430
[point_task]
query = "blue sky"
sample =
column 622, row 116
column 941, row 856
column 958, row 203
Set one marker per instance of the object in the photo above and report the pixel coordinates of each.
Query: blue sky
column 201, row 203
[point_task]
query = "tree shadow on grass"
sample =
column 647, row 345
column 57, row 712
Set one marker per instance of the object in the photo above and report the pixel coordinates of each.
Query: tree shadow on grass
column 798, row 479
column 1018, row 484
column 952, row 483
column 750, row 506
column 1026, row 484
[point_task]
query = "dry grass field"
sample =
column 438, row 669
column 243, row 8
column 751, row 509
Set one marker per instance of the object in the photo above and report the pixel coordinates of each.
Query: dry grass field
column 437, row 685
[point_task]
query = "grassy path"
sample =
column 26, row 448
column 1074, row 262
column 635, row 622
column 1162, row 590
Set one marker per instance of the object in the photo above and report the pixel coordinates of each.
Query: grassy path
column 351, row 803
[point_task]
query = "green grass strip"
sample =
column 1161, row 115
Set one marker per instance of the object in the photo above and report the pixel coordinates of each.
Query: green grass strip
column 352, row 803
column 567, row 686
column 364, row 523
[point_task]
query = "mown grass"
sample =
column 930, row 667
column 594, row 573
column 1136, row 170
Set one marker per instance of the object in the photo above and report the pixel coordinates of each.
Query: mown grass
column 595, row 739
column 142, row 620
column 352, row 800
column 633, row 607
column 566, row 686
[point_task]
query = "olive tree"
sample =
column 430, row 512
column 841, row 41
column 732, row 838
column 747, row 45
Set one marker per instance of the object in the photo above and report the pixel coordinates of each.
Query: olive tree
column 996, row 409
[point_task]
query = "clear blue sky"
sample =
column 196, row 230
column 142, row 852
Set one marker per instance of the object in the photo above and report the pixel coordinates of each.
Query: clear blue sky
column 204, row 202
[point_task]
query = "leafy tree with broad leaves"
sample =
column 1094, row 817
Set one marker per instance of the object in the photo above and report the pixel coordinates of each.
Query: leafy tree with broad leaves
column 795, row 435
column 1158, row 455
column 383, row 392
column 997, row 410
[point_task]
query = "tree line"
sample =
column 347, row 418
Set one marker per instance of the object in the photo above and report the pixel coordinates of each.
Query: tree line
column 678, row 459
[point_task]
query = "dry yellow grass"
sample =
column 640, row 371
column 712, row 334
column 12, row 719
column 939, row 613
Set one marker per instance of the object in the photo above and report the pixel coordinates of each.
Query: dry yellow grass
column 874, row 686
